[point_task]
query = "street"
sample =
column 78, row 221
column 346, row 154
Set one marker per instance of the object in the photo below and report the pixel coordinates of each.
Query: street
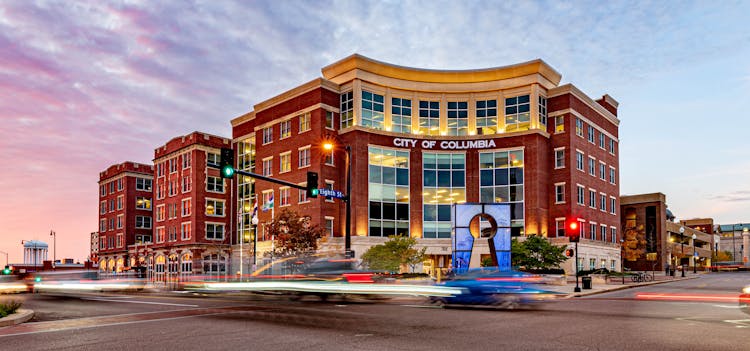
column 656, row 317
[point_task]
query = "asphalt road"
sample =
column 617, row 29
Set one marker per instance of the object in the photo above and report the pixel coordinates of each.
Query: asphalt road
column 696, row 314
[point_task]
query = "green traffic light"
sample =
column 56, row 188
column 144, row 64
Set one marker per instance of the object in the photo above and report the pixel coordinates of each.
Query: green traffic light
column 227, row 171
column 315, row 192
column 6, row 271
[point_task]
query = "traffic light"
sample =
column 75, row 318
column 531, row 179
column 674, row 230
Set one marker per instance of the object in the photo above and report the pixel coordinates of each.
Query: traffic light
column 227, row 163
column 573, row 229
column 569, row 253
column 312, row 184
column 7, row 270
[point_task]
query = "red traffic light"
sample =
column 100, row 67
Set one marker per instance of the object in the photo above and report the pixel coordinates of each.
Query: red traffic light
column 573, row 230
column 569, row 253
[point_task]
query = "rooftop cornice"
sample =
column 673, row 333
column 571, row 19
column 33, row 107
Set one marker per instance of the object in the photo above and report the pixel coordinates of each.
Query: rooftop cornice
column 573, row 90
column 289, row 94
column 359, row 62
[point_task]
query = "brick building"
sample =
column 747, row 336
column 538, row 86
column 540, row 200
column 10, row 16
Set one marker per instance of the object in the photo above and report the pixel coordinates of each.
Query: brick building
column 192, row 211
column 421, row 140
column 125, row 212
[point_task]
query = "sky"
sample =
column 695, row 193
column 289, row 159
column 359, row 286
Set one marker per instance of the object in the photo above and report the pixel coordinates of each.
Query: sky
column 88, row 84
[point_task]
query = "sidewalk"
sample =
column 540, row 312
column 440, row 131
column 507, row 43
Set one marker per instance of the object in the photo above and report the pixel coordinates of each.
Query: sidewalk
column 615, row 283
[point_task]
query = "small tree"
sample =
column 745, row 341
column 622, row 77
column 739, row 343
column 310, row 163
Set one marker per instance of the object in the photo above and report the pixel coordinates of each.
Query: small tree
column 397, row 251
column 634, row 245
column 294, row 234
column 723, row 256
column 536, row 252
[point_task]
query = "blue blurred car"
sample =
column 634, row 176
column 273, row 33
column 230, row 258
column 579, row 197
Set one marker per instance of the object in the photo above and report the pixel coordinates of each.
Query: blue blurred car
column 493, row 288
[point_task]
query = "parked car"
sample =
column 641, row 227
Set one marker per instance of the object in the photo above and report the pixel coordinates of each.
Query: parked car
column 494, row 288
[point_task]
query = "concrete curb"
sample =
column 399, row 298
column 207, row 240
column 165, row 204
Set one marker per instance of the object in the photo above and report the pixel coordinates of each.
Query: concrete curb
column 623, row 287
column 19, row 317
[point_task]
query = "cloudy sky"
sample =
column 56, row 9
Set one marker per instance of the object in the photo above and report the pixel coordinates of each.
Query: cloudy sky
column 84, row 85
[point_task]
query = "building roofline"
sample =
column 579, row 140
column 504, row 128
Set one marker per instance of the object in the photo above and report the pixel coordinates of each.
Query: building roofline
column 573, row 90
column 356, row 61
column 294, row 92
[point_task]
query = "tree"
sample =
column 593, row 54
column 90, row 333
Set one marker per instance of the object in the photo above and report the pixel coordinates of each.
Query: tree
column 294, row 234
column 723, row 256
column 397, row 251
column 536, row 253
column 634, row 245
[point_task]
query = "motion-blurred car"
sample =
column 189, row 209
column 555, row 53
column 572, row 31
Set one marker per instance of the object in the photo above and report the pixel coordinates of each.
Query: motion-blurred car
column 745, row 300
column 494, row 288
column 11, row 284
column 74, row 282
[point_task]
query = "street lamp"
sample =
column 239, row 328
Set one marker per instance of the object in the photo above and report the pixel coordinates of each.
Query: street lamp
column 348, row 219
column 682, row 247
column 695, row 256
column 254, row 221
column 6, row 257
column 54, row 247
column 622, row 259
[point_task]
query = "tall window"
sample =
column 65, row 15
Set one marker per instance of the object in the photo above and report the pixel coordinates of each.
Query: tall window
column 187, row 160
column 592, row 134
column 119, row 184
column 429, row 117
column 592, row 166
column 284, row 196
column 304, row 122
column 612, row 205
column 388, row 195
column 559, row 124
column 267, row 166
column 187, row 208
column 603, row 202
column 161, row 213
column 267, row 135
column 592, row 231
column 160, row 235
column 603, row 232
column 444, row 184
column 560, row 158
column 103, row 190
column 601, row 140
column 119, row 202
column 329, row 120
column 372, row 110
column 612, row 146
column 560, row 227
column 579, row 160
column 285, row 162
column 581, row 195
column 517, row 113
column 302, row 196
column 304, row 157
column 328, row 227
column 347, row 110
column 579, row 127
column 486, row 117
column 458, row 118
column 501, row 180
column 612, row 175
column 602, row 171
column 560, row 193
column 172, row 165
column 401, row 115
column 543, row 112
column 186, row 230
column 285, row 129
column 592, row 198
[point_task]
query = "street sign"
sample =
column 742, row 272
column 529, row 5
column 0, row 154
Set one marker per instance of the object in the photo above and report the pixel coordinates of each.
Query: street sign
column 695, row 254
column 331, row 193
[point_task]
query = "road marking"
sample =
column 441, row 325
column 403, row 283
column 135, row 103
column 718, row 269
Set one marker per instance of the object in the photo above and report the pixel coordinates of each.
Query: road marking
column 143, row 302
column 740, row 323
column 104, row 321
column 728, row 306
column 421, row 306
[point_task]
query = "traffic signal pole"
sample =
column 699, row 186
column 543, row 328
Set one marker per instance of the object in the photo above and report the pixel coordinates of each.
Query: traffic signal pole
column 577, row 288
column 261, row 177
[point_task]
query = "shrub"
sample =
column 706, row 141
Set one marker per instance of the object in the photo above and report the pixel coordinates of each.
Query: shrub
column 9, row 307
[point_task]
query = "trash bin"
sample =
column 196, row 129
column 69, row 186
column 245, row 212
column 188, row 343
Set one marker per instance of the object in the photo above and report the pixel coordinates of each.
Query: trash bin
column 586, row 282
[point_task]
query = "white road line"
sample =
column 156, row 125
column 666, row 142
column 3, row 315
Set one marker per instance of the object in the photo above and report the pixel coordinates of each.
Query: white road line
column 143, row 302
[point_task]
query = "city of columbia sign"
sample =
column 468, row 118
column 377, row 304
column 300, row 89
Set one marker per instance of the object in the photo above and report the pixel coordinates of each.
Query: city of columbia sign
column 444, row 144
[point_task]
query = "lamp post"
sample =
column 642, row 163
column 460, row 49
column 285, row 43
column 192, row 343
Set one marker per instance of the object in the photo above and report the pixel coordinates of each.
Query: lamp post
column 695, row 255
column 254, row 221
column 54, row 247
column 348, row 229
column 622, row 259
column 6, row 257
column 348, row 216
column 682, row 247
